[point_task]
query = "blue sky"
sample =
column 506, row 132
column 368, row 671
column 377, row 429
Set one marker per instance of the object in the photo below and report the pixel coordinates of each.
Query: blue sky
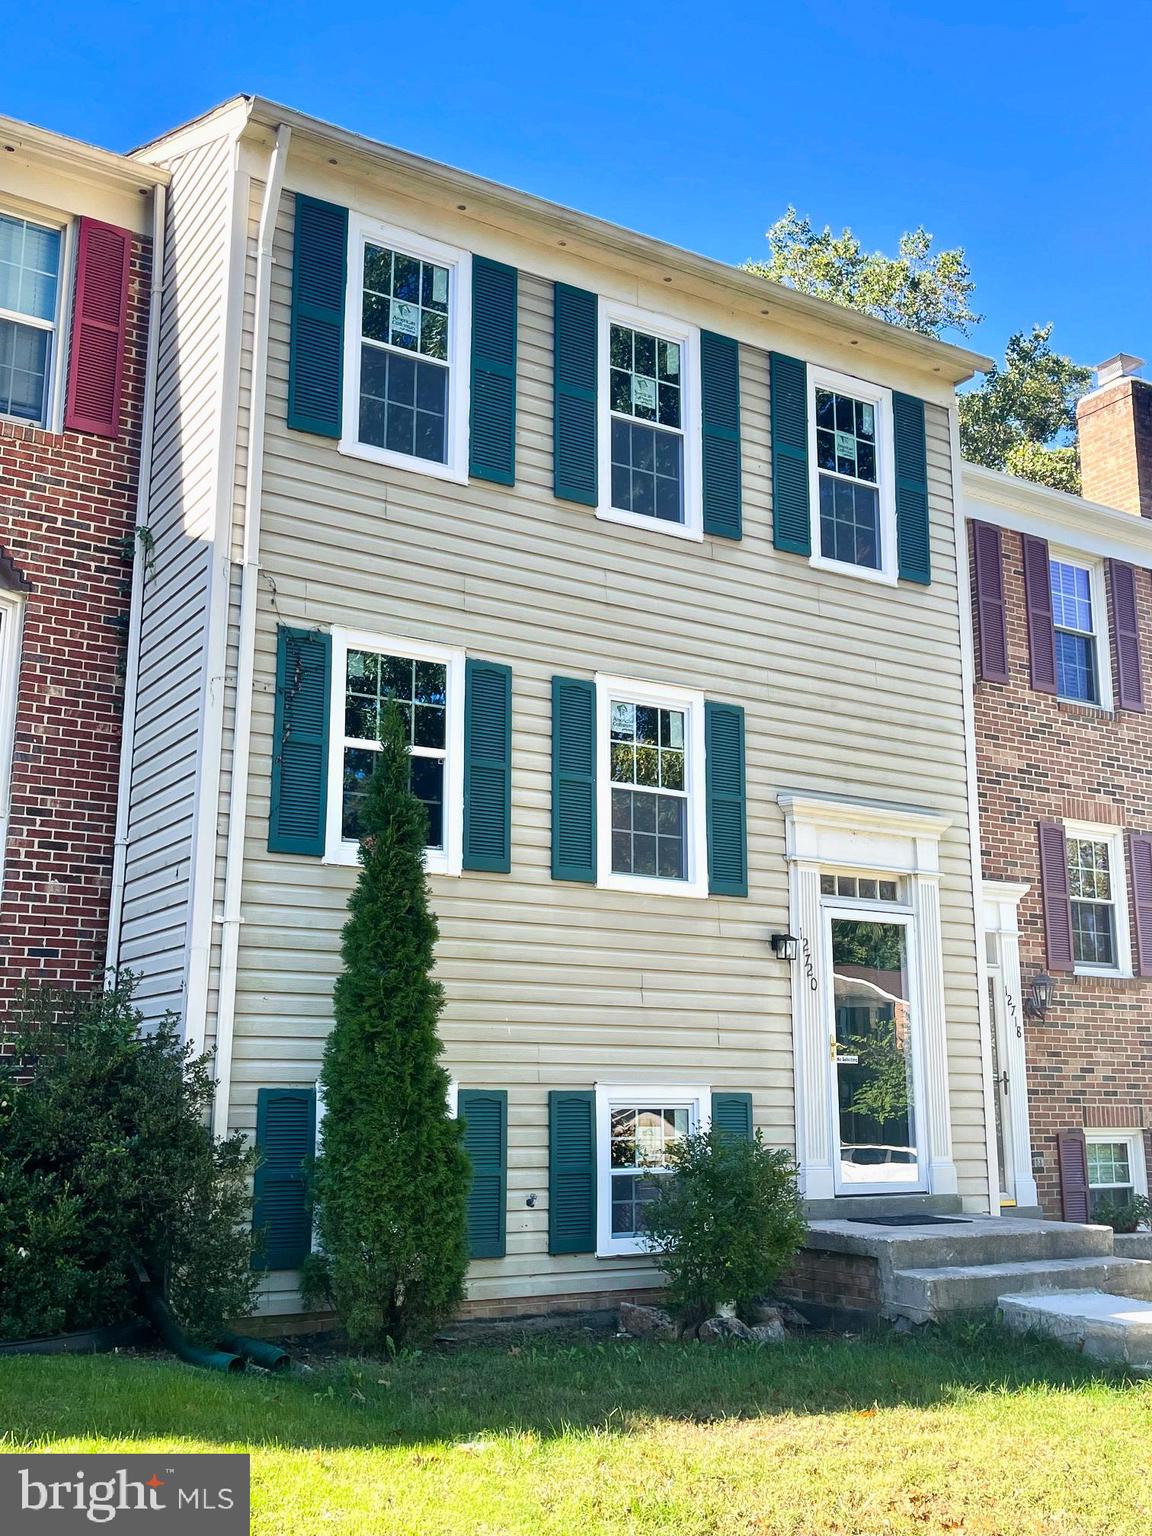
column 1014, row 128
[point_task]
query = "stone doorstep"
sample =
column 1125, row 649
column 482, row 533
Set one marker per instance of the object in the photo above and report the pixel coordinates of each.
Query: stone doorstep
column 1116, row 1329
column 925, row 1294
column 981, row 1240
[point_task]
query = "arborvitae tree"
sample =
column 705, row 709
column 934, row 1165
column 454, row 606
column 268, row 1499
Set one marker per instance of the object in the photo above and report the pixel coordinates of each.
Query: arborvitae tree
column 391, row 1178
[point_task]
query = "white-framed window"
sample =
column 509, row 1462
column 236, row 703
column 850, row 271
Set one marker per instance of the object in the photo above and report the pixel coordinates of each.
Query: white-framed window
column 649, row 421
column 852, row 485
column 867, row 888
column 1098, row 888
column 407, row 346
column 1116, row 1167
column 11, row 614
column 427, row 681
column 636, row 1124
column 650, row 813
column 31, row 272
column 1079, row 609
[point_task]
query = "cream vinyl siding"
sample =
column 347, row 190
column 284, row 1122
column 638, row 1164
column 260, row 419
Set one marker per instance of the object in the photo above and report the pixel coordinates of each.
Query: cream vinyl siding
column 175, row 597
column 849, row 688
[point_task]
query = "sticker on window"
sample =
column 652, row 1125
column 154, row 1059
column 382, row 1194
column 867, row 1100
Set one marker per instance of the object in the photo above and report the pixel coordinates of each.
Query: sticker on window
column 643, row 392
column 867, row 420
column 439, row 285
column 405, row 318
column 845, row 445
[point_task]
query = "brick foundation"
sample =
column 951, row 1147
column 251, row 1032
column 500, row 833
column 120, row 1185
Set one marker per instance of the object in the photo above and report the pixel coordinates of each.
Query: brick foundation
column 67, row 515
column 840, row 1281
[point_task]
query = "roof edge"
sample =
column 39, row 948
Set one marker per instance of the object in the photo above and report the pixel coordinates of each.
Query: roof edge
column 58, row 147
column 1061, row 507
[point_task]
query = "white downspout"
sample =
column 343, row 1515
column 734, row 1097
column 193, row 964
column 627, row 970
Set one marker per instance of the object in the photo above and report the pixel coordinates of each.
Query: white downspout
column 968, row 671
column 140, row 558
column 246, row 662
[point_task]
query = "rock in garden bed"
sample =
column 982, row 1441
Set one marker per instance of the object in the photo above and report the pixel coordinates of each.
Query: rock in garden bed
column 725, row 1327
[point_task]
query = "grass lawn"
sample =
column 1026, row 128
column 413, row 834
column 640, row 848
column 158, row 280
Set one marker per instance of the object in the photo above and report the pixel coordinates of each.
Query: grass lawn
column 975, row 1433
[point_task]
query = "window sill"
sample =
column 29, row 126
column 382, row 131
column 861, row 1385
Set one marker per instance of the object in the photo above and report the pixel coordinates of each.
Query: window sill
column 650, row 524
column 856, row 572
column 627, row 1248
column 1082, row 707
column 346, row 856
column 1104, row 973
column 651, row 886
column 431, row 467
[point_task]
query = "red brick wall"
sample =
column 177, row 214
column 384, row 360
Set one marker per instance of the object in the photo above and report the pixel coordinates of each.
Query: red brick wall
column 67, row 513
column 1090, row 1061
column 1115, row 431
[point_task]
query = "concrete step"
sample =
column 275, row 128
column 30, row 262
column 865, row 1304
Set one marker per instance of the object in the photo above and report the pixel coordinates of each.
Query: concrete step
column 978, row 1240
column 1117, row 1329
column 925, row 1294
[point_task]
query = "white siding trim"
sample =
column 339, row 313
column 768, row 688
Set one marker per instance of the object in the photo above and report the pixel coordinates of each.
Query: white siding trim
column 11, row 624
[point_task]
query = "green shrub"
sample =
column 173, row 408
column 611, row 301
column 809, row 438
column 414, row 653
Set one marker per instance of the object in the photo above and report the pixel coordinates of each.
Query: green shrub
column 1123, row 1215
column 391, row 1178
column 106, row 1156
column 725, row 1222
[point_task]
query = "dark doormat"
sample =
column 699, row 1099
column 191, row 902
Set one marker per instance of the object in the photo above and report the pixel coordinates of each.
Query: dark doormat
column 910, row 1220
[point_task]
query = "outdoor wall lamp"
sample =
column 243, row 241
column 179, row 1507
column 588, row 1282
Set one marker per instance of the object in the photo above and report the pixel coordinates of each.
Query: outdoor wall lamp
column 785, row 945
column 1040, row 997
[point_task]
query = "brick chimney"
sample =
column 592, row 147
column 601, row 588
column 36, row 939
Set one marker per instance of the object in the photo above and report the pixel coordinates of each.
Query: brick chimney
column 1115, row 425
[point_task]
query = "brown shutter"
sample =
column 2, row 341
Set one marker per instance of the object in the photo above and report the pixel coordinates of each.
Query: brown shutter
column 1074, row 1194
column 1140, row 856
column 1054, row 888
column 1038, row 595
column 1126, row 635
column 99, row 328
column 991, row 617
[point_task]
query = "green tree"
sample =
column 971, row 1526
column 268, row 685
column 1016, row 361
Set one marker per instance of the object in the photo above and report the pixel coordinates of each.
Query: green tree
column 391, row 1178
column 920, row 289
column 1022, row 417
column 106, row 1157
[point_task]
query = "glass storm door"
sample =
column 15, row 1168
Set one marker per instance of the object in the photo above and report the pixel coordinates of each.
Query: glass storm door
column 872, row 1052
column 1001, row 1086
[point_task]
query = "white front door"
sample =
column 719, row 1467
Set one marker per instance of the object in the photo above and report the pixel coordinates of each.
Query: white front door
column 873, row 1052
column 1008, row 1089
column 1002, row 1086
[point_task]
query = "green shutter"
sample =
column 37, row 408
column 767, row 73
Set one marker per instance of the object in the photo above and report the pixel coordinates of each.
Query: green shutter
column 492, row 441
column 319, row 279
column 300, row 742
column 720, row 416
column 574, row 403
column 484, row 1112
column 488, row 766
column 281, row 1205
column 913, row 535
column 572, row 1171
column 732, row 1113
column 727, row 814
column 573, row 779
column 791, row 517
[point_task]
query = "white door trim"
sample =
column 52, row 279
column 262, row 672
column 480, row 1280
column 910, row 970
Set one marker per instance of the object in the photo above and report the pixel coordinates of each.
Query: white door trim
column 1001, row 920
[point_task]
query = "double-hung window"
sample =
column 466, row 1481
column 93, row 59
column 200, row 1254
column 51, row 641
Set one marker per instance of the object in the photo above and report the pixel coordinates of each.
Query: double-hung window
column 426, row 683
column 651, row 821
column 30, row 262
column 1116, row 1167
column 650, row 422
column 852, row 491
column 1097, row 888
column 636, row 1128
column 1076, row 609
column 407, row 351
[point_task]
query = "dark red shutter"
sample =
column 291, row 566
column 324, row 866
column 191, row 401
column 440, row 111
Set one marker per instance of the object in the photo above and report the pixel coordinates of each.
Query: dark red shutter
column 99, row 323
column 991, row 616
column 1126, row 635
column 1140, row 856
column 1054, row 888
column 1074, row 1193
column 1038, row 595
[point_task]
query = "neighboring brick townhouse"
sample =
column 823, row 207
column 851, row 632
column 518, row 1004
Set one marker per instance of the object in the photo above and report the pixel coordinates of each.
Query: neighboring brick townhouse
column 76, row 236
column 1063, row 710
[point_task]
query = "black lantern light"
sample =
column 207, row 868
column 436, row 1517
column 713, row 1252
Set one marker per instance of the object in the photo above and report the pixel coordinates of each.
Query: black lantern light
column 1041, row 996
column 785, row 946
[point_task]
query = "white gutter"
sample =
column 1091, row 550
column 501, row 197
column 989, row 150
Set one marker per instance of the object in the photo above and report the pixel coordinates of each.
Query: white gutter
column 140, row 557
column 246, row 663
column 968, row 675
